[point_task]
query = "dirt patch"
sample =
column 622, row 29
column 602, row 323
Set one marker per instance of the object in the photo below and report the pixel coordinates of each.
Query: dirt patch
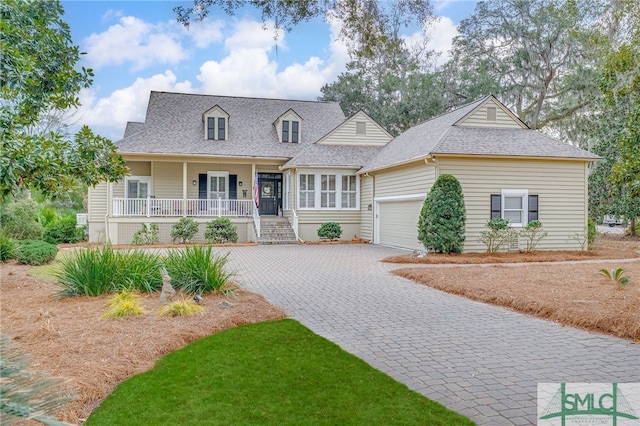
column 66, row 338
column 572, row 294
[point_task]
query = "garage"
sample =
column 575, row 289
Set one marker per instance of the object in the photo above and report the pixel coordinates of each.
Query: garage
column 397, row 223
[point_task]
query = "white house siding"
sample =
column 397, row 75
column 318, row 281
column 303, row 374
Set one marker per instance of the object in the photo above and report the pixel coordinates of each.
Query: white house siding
column 366, row 200
column 479, row 118
column 97, row 204
column 310, row 220
column 167, row 180
column 139, row 168
column 415, row 178
column 560, row 185
column 346, row 134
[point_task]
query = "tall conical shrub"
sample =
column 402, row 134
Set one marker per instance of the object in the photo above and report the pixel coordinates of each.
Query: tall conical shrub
column 443, row 216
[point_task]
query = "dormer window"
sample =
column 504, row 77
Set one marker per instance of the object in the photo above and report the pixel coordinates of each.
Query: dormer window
column 290, row 131
column 288, row 127
column 216, row 124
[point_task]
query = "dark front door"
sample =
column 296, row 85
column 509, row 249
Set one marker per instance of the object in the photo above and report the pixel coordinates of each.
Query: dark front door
column 270, row 186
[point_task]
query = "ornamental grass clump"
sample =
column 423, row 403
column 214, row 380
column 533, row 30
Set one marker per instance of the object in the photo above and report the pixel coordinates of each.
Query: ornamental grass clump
column 197, row 270
column 98, row 271
column 125, row 303
column 616, row 275
column 180, row 308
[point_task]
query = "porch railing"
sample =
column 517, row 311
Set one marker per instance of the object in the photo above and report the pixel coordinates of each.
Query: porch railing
column 256, row 221
column 171, row 207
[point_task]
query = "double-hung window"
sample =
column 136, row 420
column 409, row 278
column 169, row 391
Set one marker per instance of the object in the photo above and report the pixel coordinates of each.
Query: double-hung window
column 216, row 128
column 307, row 191
column 516, row 206
column 348, row 191
column 290, row 131
column 328, row 191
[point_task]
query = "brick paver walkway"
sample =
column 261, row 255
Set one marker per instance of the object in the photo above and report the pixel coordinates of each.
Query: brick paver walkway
column 479, row 360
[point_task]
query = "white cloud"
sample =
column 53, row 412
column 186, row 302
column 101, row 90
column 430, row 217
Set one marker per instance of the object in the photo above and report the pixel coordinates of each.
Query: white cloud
column 247, row 70
column 440, row 34
column 134, row 41
column 128, row 104
column 205, row 32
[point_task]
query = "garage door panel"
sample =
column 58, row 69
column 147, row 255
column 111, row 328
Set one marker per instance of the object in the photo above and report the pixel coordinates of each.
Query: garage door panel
column 398, row 224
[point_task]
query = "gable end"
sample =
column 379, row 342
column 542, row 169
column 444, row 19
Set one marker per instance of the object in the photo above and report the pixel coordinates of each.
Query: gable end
column 491, row 113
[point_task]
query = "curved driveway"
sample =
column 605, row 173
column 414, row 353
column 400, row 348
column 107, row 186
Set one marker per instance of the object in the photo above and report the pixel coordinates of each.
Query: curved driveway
column 477, row 359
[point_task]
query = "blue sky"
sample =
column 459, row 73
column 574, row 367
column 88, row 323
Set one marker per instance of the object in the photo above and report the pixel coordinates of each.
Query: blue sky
column 136, row 46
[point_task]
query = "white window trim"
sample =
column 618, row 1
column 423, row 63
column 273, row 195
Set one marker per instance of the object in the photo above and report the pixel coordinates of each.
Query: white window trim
column 318, row 191
column 286, row 190
column 216, row 115
column 226, row 183
column 146, row 179
column 524, row 194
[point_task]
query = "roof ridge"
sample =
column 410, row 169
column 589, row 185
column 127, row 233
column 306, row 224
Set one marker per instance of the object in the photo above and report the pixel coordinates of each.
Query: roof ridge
column 244, row 97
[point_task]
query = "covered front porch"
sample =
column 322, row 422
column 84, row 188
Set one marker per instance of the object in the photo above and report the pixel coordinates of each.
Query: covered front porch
column 162, row 191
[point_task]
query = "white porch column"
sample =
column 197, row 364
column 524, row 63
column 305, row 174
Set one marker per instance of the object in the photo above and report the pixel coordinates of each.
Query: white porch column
column 184, row 188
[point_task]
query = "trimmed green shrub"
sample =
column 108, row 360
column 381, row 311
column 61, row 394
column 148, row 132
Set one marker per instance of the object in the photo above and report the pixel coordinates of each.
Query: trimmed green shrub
column 221, row 230
column 196, row 270
column 146, row 235
column 20, row 220
column 330, row 230
column 39, row 252
column 63, row 230
column 184, row 230
column 97, row 271
column 7, row 248
column 441, row 224
column 592, row 232
column 532, row 234
column 498, row 236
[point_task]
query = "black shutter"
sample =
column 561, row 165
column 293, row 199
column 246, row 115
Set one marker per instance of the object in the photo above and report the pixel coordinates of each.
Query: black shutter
column 496, row 200
column 533, row 208
column 233, row 187
column 202, row 186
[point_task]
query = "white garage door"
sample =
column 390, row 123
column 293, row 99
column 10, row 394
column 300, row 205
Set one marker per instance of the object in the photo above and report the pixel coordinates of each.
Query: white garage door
column 398, row 223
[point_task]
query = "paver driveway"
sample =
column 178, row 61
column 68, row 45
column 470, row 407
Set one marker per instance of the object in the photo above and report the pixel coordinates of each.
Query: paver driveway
column 479, row 360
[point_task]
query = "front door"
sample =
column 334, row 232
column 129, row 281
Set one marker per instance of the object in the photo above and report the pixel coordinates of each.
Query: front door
column 270, row 186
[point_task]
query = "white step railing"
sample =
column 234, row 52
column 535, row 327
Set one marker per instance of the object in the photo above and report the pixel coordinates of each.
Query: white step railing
column 168, row 207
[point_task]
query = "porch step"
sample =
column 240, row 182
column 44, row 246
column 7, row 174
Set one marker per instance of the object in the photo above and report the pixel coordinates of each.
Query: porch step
column 276, row 231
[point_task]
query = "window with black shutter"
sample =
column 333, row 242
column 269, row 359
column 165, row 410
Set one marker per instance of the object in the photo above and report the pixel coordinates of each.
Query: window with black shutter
column 532, row 207
column 496, row 209
column 294, row 131
column 221, row 129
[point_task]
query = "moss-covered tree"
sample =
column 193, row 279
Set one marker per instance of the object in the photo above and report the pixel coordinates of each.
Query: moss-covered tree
column 443, row 216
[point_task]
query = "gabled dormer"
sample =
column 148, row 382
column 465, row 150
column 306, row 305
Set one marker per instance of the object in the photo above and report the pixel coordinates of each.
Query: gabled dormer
column 359, row 129
column 289, row 127
column 491, row 113
column 216, row 124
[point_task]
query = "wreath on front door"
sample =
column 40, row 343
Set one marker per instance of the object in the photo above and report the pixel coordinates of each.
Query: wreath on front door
column 267, row 189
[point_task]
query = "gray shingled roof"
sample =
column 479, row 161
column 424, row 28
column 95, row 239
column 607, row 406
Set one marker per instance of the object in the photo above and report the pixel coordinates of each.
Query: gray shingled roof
column 507, row 142
column 133, row 127
column 317, row 155
column 418, row 141
column 440, row 136
column 173, row 125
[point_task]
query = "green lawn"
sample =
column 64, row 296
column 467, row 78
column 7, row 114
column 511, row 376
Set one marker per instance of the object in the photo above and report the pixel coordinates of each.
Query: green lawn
column 272, row 373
